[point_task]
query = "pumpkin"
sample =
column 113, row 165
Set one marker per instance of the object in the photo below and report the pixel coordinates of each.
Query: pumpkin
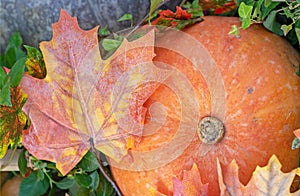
column 229, row 98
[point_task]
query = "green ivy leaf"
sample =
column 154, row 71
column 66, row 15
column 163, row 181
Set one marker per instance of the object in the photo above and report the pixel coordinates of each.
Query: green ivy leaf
column 13, row 120
column 125, row 17
column 16, row 73
column 272, row 24
column 22, row 162
column 83, row 180
column 234, row 31
column 33, row 185
column 103, row 32
column 89, row 162
column 35, row 63
column 111, row 44
column 66, row 183
column 244, row 12
column 15, row 40
column 266, row 10
column 286, row 29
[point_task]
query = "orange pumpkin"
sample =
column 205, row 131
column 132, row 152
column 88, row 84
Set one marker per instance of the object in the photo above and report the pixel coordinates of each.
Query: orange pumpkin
column 248, row 83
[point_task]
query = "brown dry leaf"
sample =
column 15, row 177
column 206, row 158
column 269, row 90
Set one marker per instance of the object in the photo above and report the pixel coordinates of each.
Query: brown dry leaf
column 268, row 180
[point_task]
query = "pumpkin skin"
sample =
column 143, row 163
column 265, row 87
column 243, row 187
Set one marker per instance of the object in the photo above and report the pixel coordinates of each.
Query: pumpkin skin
column 262, row 107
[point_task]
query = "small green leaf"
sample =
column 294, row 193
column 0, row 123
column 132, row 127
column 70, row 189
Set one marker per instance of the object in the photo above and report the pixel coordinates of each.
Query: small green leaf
column 234, row 31
column 244, row 12
column 2, row 60
column 154, row 5
column 103, row 32
column 95, row 180
column 22, row 162
column 110, row 44
column 16, row 73
column 65, row 183
column 271, row 24
column 35, row 63
column 295, row 144
column 286, row 29
column 83, row 180
column 288, row 13
column 125, row 17
column 15, row 40
column 89, row 162
column 266, row 10
column 33, row 186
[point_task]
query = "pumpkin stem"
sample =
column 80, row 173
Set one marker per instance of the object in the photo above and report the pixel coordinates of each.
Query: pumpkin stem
column 211, row 130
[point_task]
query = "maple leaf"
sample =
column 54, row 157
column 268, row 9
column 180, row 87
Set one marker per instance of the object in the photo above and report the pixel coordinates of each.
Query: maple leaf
column 268, row 180
column 85, row 102
column 13, row 120
column 190, row 185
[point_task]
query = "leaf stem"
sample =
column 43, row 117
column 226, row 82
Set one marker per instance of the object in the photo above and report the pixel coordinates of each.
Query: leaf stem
column 101, row 167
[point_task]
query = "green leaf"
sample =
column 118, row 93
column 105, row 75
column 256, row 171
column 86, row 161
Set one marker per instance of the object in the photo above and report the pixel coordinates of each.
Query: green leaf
column 33, row 186
column 272, row 24
column 267, row 3
column 4, row 89
column 89, row 162
column 16, row 73
column 103, row 32
column 35, row 63
column 297, row 30
column 95, row 180
column 244, row 12
column 295, row 144
column 13, row 120
column 83, row 180
column 266, row 10
column 154, row 5
column 66, row 183
column 2, row 60
column 234, row 31
column 125, row 17
column 12, row 55
column 288, row 13
column 110, row 44
column 15, row 40
column 22, row 162
column 286, row 29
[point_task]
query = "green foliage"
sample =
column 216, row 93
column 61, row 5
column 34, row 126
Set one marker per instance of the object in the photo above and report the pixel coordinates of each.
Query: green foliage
column 22, row 162
column 154, row 5
column 84, row 179
column 234, row 31
column 13, row 51
column 282, row 18
column 126, row 17
column 35, row 184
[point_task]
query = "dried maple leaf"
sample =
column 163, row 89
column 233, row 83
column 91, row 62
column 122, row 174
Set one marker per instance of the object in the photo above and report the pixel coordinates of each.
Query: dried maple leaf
column 190, row 185
column 13, row 120
column 85, row 102
column 268, row 180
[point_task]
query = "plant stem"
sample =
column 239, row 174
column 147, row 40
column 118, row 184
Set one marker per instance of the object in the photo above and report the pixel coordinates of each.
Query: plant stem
column 101, row 167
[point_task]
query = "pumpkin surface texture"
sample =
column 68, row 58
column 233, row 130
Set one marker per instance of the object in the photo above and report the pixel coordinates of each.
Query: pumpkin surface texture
column 248, row 83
